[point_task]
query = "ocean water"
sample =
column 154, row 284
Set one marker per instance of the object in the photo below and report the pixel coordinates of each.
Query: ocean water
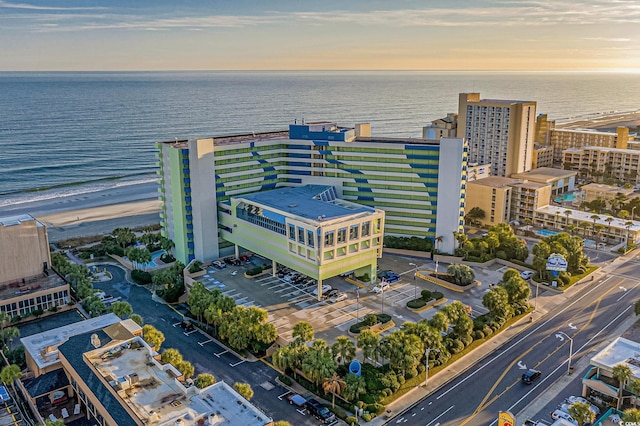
column 79, row 132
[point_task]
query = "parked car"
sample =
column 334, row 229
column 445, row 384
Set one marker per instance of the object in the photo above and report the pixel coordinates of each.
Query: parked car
column 526, row 275
column 295, row 399
column 338, row 297
column 330, row 293
column 319, row 411
column 574, row 399
column 530, row 376
column 559, row 414
column 565, row 407
column 384, row 285
column 218, row 264
column 325, row 289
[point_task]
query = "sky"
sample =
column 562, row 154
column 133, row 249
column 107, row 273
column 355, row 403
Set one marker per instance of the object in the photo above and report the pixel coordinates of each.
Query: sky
column 555, row 35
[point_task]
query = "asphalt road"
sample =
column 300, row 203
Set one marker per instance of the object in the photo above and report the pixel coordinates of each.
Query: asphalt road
column 493, row 383
column 206, row 356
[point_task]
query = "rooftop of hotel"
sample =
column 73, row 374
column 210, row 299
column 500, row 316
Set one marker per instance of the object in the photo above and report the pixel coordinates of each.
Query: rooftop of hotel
column 529, row 185
column 589, row 131
column 600, row 187
column 43, row 347
column 588, row 217
column 545, row 173
column 495, row 181
column 153, row 392
column 603, row 149
column 18, row 220
column 620, row 351
column 39, row 283
column 315, row 202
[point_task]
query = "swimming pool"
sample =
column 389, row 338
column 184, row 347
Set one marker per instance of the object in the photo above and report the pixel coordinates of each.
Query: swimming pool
column 155, row 260
column 545, row 233
column 565, row 198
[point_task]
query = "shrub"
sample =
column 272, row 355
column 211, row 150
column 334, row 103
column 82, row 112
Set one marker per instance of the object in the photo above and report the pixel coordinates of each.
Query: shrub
column 437, row 295
column 383, row 318
column 426, row 295
column 416, row 304
column 478, row 335
column 455, row 345
column 370, row 319
column 285, row 379
column 254, row 271
column 500, row 254
column 167, row 258
column 141, row 277
column 351, row 421
column 196, row 266
column 466, row 339
column 367, row 417
column 487, row 330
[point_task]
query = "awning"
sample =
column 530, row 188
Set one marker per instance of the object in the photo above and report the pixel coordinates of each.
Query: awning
column 601, row 387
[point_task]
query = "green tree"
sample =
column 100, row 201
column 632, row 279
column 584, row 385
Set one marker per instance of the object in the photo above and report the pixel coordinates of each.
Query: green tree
column 84, row 288
column 456, row 313
column 138, row 256
column 318, row 362
column 124, row 236
column 166, row 244
column 582, row 413
column 171, row 356
column 122, row 309
column 244, row 389
column 199, row 299
column 496, row 301
column 474, row 216
column 94, row 306
column 137, row 319
column 428, row 335
column 368, row 341
column 333, row 385
column 403, row 350
column 204, row 380
column 493, row 241
column 9, row 374
column 440, row 321
column 462, row 274
column 302, row 333
column 344, row 350
column 631, row 415
column 7, row 334
column 622, row 373
column 517, row 289
column 355, row 386
column 152, row 336
column 185, row 367
column 57, row 422
column 594, row 218
column 634, row 387
column 289, row 358
column 609, row 219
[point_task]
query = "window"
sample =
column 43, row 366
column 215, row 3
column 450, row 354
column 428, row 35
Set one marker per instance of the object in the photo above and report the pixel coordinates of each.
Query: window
column 366, row 229
column 310, row 238
column 328, row 238
column 292, row 232
column 301, row 235
column 353, row 232
column 342, row 235
column 378, row 226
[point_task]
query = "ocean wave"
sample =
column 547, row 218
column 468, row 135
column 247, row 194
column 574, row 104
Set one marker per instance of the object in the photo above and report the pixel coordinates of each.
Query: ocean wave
column 74, row 189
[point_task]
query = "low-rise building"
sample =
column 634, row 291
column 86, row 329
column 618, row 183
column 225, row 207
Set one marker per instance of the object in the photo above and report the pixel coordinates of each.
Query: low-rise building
column 308, row 229
column 561, row 181
column 593, row 191
column 441, row 128
column 27, row 282
column 620, row 164
column 542, row 156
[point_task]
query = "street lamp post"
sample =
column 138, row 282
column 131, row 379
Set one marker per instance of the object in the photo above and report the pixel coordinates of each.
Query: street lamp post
column 415, row 283
column 426, row 364
column 560, row 334
column 633, row 209
column 535, row 303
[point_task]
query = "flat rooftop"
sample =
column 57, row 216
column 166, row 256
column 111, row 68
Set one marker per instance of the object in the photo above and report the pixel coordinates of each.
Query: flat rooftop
column 545, row 173
column 495, row 181
column 151, row 389
column 43, row 282
column 18, row 220
column 314, row 202
column 620, row 351
column 43, row 347
column 605, row 188
column 587, row 217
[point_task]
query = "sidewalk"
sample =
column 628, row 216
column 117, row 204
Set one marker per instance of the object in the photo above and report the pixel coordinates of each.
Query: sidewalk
column 544, row 305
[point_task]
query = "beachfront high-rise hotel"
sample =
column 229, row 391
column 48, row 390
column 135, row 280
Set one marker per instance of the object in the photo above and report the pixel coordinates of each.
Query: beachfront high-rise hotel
column 499, row 132
column 420, row 184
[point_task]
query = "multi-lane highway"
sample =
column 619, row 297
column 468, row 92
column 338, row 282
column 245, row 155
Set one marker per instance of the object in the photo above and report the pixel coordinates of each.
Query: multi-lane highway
column 493, row 383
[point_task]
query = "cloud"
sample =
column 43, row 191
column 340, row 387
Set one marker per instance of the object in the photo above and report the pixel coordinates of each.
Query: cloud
column 609, row 39
column 34, row 7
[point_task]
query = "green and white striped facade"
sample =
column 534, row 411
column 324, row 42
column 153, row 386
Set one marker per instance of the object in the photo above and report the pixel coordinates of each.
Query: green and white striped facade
column 420, row 184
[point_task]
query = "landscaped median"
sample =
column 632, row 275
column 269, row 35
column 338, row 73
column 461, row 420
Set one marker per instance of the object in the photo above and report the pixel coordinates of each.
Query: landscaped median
column 427, row 300
column 375, row 323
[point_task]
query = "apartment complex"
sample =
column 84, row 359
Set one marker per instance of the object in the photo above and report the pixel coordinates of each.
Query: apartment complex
column 306, row 228
column 507, row 200
column 620, row 164
column 102, row 370
column 499, row 132
column 542, row 156
column 27, row 282
column 561, row 181
column 593, row 191
column 446, row 127
column 420, row 184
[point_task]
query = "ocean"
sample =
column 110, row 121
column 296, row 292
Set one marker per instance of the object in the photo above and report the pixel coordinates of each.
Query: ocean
column 66, row 133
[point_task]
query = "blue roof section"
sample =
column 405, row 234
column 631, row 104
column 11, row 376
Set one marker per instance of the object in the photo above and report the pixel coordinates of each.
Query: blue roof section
column 309, row 201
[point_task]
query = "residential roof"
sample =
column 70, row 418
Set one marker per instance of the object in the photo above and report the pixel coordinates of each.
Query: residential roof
column 495, row 181
column 587, row 217
column 315, row 202
column 605, row 188
column 545, row 174
column 43, row 347
column 46, row 383
column 18, row 220
column 620, row 351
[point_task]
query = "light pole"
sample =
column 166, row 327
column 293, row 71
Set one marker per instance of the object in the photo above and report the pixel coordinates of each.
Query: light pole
column 535, row 303
column 633, row 209
column 559, row 335
column 426, row 363
column 415, row 283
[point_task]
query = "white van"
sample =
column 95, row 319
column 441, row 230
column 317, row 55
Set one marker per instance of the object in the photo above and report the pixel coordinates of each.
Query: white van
column 559, row 414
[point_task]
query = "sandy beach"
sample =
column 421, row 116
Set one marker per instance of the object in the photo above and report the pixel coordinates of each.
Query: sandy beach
column 93, row 213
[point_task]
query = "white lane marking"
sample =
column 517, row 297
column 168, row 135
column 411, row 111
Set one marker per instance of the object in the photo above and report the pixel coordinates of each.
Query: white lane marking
column 441, row 414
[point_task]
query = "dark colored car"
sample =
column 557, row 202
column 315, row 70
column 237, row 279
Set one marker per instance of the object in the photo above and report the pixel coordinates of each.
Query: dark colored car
column 319, row 411
column 530, row 376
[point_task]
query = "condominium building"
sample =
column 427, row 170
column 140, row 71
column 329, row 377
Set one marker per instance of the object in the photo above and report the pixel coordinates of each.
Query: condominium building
column 542, row 156
column 499, row 132
column 420, row 184
column 607, row 193
column 561, row 139
column 27, row 282
column 507, row 199
column 561, row 181
column 446, row 127
column 620, row 164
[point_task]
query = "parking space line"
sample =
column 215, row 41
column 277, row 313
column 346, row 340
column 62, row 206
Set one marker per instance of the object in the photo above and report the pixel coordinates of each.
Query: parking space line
column 186, row 333
column 175, row 324
column 237, row 363
column 221, row 353
column 205, row 342
column 284, row 394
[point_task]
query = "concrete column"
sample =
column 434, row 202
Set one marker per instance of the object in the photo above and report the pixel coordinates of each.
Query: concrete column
column 274, row 268
column 237, row 249
column 319, row 290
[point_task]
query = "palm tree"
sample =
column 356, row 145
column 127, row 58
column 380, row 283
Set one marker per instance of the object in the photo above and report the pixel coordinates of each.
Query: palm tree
column 609, row 219
column 302, row 333
column 599, row 228
column 632, row 415
column 634, row 387
column 568, row 213
column 595, row 218
column 437, row 241
column 556, row 222
column 582, row 413
column 356, row 386
column 334, row 385
column 622, row 373
column 343, row 349
column 10, row 374
column 318, row 362
column 369, row 342
column 628, row 225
